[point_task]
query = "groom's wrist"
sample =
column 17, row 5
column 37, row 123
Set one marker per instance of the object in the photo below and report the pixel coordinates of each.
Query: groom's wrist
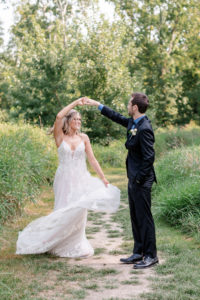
column 100, row 106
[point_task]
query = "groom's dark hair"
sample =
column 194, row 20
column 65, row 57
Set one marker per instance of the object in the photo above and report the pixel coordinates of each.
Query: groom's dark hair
column 141, row 100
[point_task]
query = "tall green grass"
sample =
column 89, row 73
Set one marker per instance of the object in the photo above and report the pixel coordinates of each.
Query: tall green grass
column 177, row 195
column 176, row 137
column 112, row 156
column 27, row 160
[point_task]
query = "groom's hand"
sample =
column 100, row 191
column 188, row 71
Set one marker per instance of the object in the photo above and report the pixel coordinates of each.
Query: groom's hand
column 91, row 102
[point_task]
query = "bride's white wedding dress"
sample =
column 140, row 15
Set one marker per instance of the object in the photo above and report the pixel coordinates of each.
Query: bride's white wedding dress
column 62, row 232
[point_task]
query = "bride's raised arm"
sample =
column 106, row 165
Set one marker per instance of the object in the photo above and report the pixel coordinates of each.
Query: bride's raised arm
column 57, row 129
column 92, row 159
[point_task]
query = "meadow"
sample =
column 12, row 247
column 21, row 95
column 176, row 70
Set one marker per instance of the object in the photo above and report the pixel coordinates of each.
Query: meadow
column 28, row 159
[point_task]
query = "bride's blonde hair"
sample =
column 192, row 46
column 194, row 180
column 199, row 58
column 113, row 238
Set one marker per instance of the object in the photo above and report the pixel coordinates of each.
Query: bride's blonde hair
column 66, row 120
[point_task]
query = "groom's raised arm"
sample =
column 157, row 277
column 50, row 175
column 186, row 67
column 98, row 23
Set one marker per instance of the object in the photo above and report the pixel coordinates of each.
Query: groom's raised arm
column 114, row 116
column 108, row 112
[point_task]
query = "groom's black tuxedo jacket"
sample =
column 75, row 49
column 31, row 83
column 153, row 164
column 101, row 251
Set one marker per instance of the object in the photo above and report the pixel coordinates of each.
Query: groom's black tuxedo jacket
column 140, row 158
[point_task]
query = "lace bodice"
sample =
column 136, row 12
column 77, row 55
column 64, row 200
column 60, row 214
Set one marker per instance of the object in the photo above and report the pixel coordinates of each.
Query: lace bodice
column 74, row 160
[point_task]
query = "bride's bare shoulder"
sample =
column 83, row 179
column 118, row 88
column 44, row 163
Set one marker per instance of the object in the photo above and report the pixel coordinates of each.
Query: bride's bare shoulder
column 85, row 137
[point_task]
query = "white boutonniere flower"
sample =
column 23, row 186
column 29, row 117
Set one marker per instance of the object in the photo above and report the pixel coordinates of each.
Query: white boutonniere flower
column 133, row 131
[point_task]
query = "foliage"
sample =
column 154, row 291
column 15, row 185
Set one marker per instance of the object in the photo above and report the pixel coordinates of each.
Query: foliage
column 1, row 34
column 59, row 52
column 177, row 195
column 112, row 156
column 176, row 137
column 54, row 63
column 167, row 44
column 102, row 74
column 27, row 160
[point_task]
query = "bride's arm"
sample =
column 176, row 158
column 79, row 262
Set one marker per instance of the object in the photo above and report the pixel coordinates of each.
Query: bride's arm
column 57, row 131
column 92, row 160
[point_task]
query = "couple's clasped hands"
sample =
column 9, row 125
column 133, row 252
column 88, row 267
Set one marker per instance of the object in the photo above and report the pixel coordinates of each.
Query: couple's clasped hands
column 87, row 101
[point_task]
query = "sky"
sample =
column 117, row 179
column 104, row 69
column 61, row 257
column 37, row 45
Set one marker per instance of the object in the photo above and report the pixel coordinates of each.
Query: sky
column 7, row 15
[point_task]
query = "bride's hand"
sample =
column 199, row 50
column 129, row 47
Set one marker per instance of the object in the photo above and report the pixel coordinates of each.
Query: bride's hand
column 91, row 102
column 105, row 181
column 80, row 101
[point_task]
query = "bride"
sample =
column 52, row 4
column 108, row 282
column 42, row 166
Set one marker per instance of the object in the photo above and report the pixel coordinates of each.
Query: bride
column 62, row 232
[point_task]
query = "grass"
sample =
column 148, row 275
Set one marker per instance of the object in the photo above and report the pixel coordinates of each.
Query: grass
column 91, row 286
column 175, row 200
column 116, row 252
column 92, row 230
column 110, row 286
column 112, row 156
column 98, row 251
column 178, row 275
column 177, row 196
column 27, row 160
column 113, row 233
column 47, row 275
column 176, row 137
column 79, row 294
column 131, row 281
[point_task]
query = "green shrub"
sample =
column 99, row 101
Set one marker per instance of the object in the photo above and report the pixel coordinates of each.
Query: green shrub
column 177, row 165
column 27, row 160
column 112, row 156
column 169, row 139
column 177, row 195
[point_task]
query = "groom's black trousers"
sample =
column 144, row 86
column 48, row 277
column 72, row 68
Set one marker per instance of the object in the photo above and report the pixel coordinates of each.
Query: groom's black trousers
column 141, row 217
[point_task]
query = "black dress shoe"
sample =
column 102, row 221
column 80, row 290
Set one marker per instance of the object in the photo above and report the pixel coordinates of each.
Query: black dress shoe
column 132, row 259
column 146, row 262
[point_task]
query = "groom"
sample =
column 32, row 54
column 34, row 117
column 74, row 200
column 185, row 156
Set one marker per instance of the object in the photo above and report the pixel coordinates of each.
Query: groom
column 141, row 175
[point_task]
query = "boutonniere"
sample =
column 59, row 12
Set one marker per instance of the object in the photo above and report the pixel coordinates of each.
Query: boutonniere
column 133, row 131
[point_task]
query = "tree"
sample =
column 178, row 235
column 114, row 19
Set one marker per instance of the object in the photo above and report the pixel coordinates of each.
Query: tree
column 102, row 73
column 55, row 64
column 58, row 52
column 162, row 33
column 40, row 79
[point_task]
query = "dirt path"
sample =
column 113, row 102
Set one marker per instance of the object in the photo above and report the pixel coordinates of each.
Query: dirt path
column 120, row 282
column 100, row 277
column 127, row 283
